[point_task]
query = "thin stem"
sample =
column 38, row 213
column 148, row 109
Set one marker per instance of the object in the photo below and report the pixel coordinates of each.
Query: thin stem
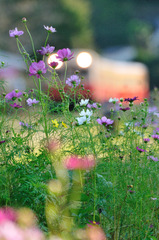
column 32, row 43
column 46, row 39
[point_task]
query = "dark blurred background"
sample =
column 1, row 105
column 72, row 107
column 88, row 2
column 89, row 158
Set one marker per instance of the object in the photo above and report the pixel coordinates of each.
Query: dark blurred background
column 105, row 26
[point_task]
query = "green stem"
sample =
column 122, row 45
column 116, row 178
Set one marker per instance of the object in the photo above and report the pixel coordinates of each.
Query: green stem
column 46, row 39
column 32, row 43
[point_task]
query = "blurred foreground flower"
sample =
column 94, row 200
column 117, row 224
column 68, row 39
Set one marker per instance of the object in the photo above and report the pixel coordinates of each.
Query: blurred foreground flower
column 94, row 232
column 76, row 162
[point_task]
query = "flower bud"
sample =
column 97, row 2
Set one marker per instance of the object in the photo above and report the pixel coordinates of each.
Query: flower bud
column 131, row 104
column 16, row 90
column 121, row 99
column 120, row 104
column 19, row 99
column 24, row 20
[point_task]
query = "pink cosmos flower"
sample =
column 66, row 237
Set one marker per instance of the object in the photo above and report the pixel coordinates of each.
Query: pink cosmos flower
column 155, row 137
column 76, row 162
column 50, row 29
column 146, row 140
column 31, row 102
column 64, row 54
column 15, row 33
column 14, row 105
column 46, row 50
column 155, row 159
column 73, row 81
column 105, row 121
column 37, row 68
column 13, row 95
column 140, row 149
column 53, row 64
column 94, row 105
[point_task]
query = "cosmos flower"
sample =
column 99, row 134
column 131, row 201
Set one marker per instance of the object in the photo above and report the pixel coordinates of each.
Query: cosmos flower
column 13, row 95
column 84, row 102
column 31, row 102
column 155, row 159
column 37, row 68
column 14, row 105
column 131, row 99
column 124, row 109
column 15, row 33
column 73, row 81
column 50, row 29
column 46, row 50
column 53, row 64
column 2, row 141
column 105, row 121
column 94, row 105
column 25, row 125
column 113, row 100
column 140, row 149
column 76, row 162
column 146, row 140
column 155, row 137
column 64, row 54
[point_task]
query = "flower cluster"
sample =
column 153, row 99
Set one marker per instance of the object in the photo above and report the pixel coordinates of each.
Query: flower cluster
column 85, row 117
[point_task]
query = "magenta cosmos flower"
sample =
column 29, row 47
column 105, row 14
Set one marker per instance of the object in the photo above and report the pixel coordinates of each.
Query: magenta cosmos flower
column 64, row 54
column 76, row 162
column 15, row 106
column 124, row 109
column 53, row 64
column 46, row 50
column 13, row 95
column 131, row 99
column 140, row 149
column 15, row 33
column 155, row 137
column 37, row 68
column 105, row 121
column 50, row 29
column 73, row 81
column 31, row 102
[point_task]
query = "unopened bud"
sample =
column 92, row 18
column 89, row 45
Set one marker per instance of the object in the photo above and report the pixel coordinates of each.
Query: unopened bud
column 19, row 99
column 24, row 20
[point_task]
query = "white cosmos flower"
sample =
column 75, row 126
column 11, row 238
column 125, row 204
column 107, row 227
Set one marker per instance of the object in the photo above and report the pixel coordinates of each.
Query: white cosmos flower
column 87, row 113
column 113, row 100
column 84, row 102
column 83, row 119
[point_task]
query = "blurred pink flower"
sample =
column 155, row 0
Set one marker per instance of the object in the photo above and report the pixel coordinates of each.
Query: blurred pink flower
column 7, row 214
column 13, row 95
column 76, row 162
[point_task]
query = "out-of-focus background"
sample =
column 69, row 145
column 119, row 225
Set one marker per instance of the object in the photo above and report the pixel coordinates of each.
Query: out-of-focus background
column 118, row 30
